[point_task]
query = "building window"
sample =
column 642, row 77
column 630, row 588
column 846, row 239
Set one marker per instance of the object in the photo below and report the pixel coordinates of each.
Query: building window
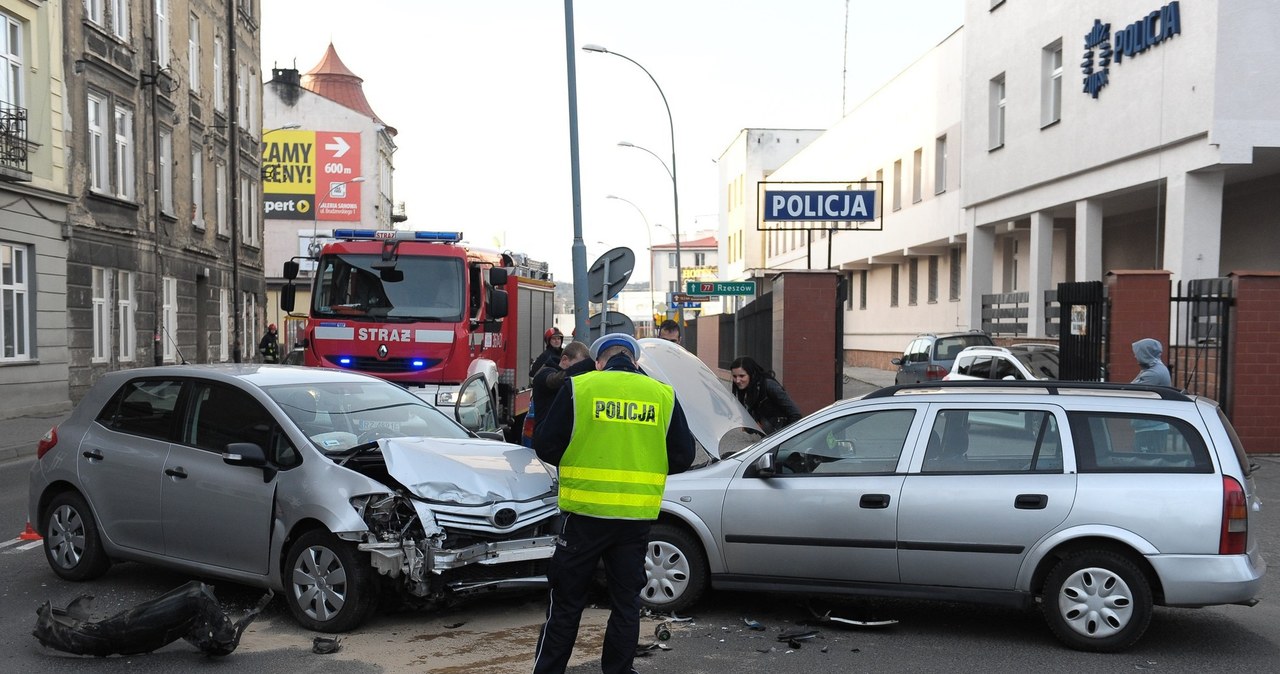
column 913, row 283
column 242, row 96
column 224, row 325
column 671, row 260
column 996, row 122
column 893, row 285
column 15, row 291
column 126, row 282
column 193, row 53
column 220, row 182
column 880, row 193
column 933, row 279
column 897, row 185
column 122, row 169
column 197, row 187
column 917, row 173
column 120, row 19
column 97, row 129
column 940, row 165
column 219, row 83
column 249, row 334
column 1051, row 84
column 166, row 171
column 93, row 10
column 862, row 289
column 100, row 291
column 248, row 229
column 170, row 325
column 699, row 259
column 11, row 51
column 954, row 294
column 162, row 33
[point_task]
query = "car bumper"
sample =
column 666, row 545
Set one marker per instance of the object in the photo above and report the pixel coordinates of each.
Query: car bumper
column 1206, row 580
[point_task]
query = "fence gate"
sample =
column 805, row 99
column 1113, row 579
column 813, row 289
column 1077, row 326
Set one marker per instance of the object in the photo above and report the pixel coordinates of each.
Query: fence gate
column 1082, row 313
column 1199, row 339
column 754, row 334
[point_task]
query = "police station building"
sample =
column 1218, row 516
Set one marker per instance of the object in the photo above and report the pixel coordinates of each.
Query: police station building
column 1043, row 143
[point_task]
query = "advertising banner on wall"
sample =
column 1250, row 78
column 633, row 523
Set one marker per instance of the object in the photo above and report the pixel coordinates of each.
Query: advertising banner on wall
column 308, row 175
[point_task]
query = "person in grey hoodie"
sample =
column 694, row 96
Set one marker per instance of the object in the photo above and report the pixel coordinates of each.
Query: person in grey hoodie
column 1153, row 371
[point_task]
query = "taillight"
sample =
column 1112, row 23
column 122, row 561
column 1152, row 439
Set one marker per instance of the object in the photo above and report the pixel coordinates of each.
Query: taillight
column 47, row 442
column 1235, row 518
column 935, row 372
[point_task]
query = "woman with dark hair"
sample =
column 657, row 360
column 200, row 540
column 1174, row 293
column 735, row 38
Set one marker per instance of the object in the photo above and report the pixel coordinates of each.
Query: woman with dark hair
column 763, row 396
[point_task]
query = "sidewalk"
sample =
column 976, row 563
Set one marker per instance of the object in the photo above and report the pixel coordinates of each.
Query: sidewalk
column 20, row 435
column 863, row 380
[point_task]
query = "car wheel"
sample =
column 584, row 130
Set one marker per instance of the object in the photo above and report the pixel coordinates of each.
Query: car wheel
column 675, row 568
column 329, row 587
column 1097, row 601
column 72, row 544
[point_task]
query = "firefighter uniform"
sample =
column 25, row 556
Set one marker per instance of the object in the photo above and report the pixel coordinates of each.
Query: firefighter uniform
column 615, row 435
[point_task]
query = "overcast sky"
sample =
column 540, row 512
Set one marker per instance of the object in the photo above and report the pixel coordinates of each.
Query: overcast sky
column 478, row 92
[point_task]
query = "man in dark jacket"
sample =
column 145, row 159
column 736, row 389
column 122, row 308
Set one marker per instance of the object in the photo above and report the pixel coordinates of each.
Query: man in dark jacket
column 546, row 384
column 552, row 342
column 615, row 435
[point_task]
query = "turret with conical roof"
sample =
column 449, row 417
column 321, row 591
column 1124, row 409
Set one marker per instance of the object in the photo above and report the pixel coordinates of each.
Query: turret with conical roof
column 332, row 79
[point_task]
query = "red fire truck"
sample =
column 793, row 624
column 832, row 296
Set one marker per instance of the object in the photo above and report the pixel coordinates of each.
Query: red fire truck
column 452, row 322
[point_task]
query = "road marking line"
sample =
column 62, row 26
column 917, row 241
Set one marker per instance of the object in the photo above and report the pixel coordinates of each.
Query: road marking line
column 28, row 546
column 8, row 543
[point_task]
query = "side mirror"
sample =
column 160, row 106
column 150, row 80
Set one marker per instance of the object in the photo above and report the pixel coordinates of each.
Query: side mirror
column 474, row 408
column 291, row 270
column 763, row 467
column 497, row 276
column 288, row 294
column 497, row 303
column 896, row 361
column 244, row 454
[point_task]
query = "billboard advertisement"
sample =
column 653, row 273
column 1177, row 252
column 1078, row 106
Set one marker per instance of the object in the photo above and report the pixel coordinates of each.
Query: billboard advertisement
column 309, row 175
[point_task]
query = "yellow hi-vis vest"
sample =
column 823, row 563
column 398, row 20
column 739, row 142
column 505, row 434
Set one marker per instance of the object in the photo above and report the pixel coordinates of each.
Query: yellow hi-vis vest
column 615, row 466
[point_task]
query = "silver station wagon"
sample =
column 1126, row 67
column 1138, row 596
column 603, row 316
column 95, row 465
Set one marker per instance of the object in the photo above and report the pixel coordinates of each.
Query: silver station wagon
column 1093, row 501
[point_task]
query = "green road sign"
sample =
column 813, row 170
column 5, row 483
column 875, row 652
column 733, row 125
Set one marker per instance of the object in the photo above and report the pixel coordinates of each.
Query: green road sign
column 720, row 287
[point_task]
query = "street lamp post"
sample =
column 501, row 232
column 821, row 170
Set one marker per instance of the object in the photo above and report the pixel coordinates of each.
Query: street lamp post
column 649, row 234
column 675, row 190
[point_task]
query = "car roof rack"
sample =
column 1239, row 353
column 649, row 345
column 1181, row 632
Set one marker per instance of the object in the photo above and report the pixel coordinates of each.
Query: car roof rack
column 1051, row 388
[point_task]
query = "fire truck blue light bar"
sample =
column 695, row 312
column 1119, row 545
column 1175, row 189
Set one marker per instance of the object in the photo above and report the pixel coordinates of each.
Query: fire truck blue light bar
column 396, row 235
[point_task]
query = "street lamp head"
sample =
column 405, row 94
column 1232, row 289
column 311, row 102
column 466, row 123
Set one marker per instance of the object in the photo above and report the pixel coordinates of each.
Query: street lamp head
column 357, row 179
column 595, row 48
column 290, row 126
column 623, row 143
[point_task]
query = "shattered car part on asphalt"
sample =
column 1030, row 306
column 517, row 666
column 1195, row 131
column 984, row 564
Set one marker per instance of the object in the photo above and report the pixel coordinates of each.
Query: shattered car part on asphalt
column 189, row 612
column 326, row 645
column 827, row 618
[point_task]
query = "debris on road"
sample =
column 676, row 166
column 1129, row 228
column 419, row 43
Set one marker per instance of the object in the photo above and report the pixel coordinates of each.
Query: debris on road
column 326, row 645
column 753, row 624
column 828, row 619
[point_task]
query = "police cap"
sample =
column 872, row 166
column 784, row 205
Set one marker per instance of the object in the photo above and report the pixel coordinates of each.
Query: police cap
column 615, row 339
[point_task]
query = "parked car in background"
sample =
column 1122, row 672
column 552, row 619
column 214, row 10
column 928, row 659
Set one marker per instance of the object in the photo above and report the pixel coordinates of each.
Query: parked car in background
column 1004, row 363
column 929, row 356
column 1005, row 492
column 294, row 357
column 309, row 481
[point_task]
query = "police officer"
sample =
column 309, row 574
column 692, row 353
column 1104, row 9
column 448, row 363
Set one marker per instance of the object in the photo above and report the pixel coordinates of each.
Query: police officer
column 615, row 435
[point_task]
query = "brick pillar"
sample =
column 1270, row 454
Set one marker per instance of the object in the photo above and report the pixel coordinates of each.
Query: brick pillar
column 1254, row 393
column 1139, row 309
column 804, row 336
column 709, row 341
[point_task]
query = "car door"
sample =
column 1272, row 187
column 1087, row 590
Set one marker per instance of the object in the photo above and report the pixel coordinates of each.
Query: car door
column 215, row 513
column 121, row 459
column 830, row 510
column 988, row 482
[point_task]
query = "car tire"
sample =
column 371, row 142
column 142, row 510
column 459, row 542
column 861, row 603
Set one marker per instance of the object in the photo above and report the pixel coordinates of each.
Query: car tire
column 72, row 542
column 328, row 586
column 1097, row 600
column 675, row 569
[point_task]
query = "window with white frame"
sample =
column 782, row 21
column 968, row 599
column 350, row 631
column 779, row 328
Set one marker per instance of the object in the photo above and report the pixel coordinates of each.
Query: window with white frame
column 917, row 174
column 242, row 95
column 162, row 33
column 671, row 260
column 193, row 53
column 219, row 83
column 120, row 18
column 224, row 325
column 122, row 169
column 166, row 171
column 126, row 287
column 169, row 308
column 197, row 187
column 100, row 292
column 995, row 126
column 220, row 207
column 248, row 221
column 249, row 321
column 699, row 259
column 897, row 184
column 1051, row 83
column 93, row 12
column 940, row 165
column 11, row 51
column 15, row 293
column 96, row 127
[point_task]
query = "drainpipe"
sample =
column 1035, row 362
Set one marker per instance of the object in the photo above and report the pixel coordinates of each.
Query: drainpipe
column 233, row 167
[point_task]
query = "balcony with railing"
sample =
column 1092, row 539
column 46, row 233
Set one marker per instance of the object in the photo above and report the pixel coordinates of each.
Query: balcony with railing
column 14, row 145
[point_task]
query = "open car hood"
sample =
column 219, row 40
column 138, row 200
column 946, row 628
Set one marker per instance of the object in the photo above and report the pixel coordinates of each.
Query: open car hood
column 719, row 423
column 467, row 471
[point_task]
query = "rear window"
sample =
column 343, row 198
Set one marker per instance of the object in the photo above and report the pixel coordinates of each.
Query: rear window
column 143, row 407
column 1041, row 363
column 1129, row 443
column 1245, row 466
column 947, row 348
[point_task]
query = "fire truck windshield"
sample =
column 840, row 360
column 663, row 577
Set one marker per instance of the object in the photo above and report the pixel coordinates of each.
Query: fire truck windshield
column 426, row 289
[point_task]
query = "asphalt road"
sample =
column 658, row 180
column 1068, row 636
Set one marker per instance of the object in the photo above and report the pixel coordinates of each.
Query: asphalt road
column 496, row 635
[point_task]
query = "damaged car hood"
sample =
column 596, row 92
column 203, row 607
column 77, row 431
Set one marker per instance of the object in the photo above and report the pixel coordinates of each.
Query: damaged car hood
column 467, row 472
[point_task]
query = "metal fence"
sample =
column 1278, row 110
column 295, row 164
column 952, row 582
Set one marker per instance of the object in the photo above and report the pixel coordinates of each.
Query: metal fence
column 1005, row 313
column 1200, row 338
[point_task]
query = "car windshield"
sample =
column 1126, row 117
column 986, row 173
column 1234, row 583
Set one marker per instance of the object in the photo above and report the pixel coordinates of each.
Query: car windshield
column 424, row 289
column 1041, row 363
column 947, row 348
column 336, row 416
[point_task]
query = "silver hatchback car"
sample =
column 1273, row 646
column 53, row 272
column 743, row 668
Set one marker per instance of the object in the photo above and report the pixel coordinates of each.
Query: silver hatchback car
column 310, row 481
column 1022, row 493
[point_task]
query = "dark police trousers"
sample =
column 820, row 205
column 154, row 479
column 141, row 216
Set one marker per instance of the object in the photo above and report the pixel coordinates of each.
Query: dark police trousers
column 583, row 542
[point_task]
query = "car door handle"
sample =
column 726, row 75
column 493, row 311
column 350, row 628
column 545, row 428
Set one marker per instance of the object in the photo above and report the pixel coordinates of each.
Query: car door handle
column 92, row 454
column 176, row 472
column 1031, row 501
column 874, row 501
